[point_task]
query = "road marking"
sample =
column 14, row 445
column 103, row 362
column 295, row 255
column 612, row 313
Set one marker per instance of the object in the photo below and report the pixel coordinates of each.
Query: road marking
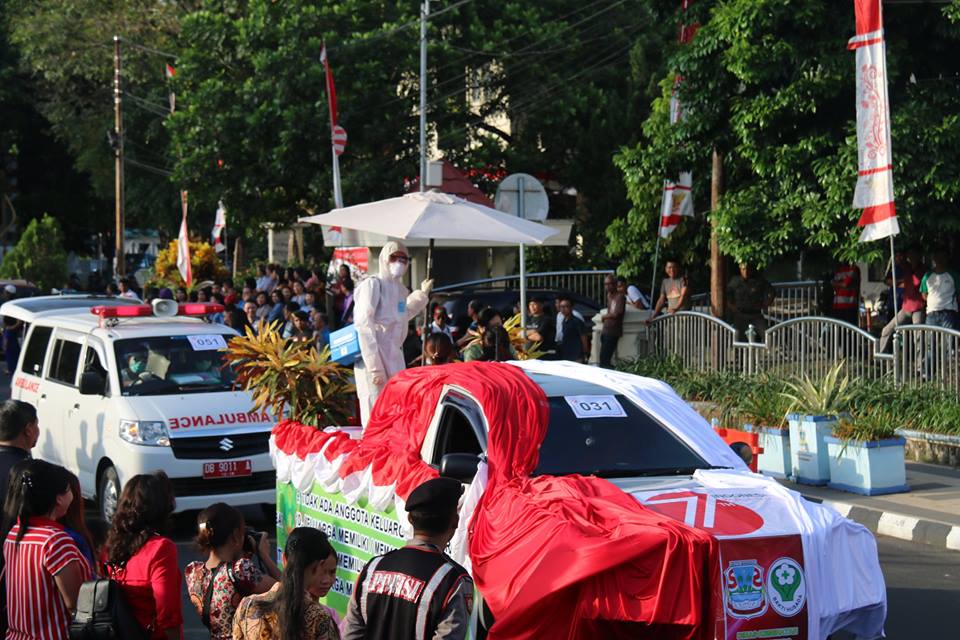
column 897, row 526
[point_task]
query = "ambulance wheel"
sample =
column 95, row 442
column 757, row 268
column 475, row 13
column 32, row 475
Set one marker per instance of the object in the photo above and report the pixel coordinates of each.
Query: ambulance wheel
column 108, row 493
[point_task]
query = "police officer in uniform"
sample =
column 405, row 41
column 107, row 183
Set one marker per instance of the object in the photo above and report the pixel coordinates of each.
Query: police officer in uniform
column 416, row 592
column 748, row 297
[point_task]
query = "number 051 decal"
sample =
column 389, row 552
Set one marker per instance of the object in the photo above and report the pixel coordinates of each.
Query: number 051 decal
column 596, row 406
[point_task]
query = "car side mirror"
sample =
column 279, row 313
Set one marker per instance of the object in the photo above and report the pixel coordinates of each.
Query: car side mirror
column 459, row 466
column 92, row 383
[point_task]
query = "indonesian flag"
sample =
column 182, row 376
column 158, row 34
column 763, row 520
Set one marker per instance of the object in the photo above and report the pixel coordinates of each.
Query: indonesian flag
column 677, row 203
column 874, row 192
column 337, row 133
column 169, row 73
column 219, row 224
column 183, row 246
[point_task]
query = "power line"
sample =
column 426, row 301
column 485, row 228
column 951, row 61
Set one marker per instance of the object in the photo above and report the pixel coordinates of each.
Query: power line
column 160, row 171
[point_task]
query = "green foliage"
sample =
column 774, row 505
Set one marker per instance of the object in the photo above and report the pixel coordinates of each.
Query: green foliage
column 830, row 395
column 38, row 256
column 770, row 85
column 66, row 48
column 873, row 409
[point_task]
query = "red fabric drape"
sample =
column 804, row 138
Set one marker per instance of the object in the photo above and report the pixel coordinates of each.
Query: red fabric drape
column 554, row 557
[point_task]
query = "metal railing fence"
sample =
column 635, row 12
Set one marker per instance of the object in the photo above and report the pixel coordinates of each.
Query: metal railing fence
column 810, row 346
column 793, row 300
column 585, row 283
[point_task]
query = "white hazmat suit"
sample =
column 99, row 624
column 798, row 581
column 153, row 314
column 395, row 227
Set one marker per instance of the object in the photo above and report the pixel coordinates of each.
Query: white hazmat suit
column 383, row 308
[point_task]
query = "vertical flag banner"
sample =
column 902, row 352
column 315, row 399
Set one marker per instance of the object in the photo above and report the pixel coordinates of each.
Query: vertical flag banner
column 874, row 191
column 338, row 136
column 183, row 246
column 677, row 203
column 169, row 73
column 219, row 224
column 677, row 199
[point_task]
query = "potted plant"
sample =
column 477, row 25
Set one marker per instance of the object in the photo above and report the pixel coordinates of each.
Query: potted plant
column 866, row 455
column 292, row 378
column 815, row 407
column 766, row 409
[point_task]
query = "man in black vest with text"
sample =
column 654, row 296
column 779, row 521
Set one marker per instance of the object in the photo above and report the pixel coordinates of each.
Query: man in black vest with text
column 416, row 592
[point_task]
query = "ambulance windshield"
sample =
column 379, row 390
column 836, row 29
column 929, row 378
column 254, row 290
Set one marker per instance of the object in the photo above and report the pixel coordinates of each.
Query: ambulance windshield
column 173, row 364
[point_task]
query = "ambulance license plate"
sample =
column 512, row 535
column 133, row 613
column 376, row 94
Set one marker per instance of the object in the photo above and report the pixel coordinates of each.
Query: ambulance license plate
column 229, row 469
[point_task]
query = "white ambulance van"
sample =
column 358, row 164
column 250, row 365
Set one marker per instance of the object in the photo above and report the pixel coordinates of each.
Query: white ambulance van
column 123, row 388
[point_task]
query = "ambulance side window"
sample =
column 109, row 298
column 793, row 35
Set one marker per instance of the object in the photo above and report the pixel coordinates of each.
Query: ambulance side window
column 65, row 361
column 36, row 350
column 92, row 363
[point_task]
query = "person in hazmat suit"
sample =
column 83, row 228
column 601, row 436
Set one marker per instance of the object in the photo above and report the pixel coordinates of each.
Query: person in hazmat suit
column 383, row 307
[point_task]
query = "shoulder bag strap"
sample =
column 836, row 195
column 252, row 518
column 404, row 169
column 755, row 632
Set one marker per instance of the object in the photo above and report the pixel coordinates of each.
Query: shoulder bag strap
column 208, row 595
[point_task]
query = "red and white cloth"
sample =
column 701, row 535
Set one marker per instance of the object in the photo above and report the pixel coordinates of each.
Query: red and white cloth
column 677, row 203
column 35, row 608
column 183, row 246
column 874, row 191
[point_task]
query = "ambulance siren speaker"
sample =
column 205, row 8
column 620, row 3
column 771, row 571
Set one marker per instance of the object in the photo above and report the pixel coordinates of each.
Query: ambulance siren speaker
column 165, row 308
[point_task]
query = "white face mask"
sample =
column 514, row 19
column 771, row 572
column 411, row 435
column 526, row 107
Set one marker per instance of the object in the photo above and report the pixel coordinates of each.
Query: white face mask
column 397, row 269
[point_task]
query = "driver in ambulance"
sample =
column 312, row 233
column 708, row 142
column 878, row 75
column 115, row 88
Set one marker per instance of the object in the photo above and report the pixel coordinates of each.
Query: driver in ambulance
column 382, row 310
column 134, row 370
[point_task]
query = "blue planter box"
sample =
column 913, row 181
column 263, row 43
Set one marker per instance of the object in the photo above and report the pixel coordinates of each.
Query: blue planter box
column 809, row 459
column 868, row 468
column 775, row 459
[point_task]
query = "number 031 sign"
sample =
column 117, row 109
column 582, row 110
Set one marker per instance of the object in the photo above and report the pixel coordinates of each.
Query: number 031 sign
column 596, row 406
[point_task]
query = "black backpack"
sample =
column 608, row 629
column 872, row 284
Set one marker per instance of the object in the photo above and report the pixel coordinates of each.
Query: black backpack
column 103, row 614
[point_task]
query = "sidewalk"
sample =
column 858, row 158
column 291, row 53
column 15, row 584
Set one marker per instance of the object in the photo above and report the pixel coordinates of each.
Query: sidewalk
column 928, row 514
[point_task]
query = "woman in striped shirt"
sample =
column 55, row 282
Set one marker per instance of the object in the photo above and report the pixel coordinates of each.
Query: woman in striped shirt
column 44, row 568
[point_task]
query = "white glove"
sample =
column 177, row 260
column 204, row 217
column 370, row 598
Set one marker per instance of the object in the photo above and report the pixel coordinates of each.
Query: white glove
column 427, row 286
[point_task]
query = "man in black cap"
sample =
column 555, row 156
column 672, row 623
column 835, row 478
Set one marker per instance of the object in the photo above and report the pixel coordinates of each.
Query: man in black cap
column 416, row 592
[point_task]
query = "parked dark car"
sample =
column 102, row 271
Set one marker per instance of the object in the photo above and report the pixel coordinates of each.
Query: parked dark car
column 505, row 300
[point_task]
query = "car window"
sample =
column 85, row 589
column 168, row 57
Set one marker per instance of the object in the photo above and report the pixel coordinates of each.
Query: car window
column 455, row 434
column 172, row 364
column 93, row 362
column 632, row 444
column 64, row 361
column 36, row 350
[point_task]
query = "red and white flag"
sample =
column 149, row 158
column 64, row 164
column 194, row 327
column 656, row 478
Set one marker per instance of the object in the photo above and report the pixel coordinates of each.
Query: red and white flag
column 874, row 192
column 170, row 73
column 183, row 246
column 219, row 224
column 677, row 203
column 338, row 135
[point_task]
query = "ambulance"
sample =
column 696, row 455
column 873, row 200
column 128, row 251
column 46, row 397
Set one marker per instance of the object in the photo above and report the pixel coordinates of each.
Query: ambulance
column 123, row 388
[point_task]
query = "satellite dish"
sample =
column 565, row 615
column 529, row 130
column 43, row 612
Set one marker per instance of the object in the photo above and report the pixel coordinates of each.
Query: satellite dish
column 521, row 194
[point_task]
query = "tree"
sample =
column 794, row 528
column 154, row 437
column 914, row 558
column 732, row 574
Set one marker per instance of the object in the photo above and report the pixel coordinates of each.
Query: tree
column 66, row 47
column 38, row 256
column 770, row 84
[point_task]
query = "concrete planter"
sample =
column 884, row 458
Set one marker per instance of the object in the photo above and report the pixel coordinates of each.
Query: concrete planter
column 809, row 459
column 775, row 459
column 868, row 468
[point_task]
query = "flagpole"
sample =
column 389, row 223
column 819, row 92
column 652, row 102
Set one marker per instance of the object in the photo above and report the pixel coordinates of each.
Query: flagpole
column 424, row 14
column 893, row 279
column 653, row 276
column 337, row 193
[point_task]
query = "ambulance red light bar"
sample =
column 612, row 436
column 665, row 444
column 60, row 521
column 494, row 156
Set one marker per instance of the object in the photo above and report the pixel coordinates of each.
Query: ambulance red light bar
column 199, row 308
column 130, row 311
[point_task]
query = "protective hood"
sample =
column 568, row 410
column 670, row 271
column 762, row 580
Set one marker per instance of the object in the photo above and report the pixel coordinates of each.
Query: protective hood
column 390, row 248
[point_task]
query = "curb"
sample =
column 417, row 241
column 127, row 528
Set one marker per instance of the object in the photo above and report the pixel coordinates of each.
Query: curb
column 898, row 525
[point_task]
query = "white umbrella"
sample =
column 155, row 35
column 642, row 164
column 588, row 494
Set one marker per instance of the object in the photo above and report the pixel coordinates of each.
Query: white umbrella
column 435, row 216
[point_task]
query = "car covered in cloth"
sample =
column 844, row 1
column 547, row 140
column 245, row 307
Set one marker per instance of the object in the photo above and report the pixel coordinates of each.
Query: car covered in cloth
column 599, row 505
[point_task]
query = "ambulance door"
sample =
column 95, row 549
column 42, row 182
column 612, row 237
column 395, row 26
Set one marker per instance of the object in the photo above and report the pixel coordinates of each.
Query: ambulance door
column 84, row 428
column 59, row 397
column 29, row 375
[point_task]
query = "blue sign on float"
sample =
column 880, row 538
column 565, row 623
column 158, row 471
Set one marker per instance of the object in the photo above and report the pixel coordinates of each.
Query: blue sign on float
column 344, row 345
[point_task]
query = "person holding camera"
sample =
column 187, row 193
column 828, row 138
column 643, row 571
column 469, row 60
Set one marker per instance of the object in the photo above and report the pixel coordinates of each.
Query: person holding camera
column 238, row 564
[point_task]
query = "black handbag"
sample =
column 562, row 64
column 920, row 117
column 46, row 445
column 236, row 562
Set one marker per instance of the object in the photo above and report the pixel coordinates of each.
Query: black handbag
column 102, row 614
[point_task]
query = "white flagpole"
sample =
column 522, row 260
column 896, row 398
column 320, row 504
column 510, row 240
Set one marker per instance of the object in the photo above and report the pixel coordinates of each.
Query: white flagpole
column 893, row 279
column 337, row 193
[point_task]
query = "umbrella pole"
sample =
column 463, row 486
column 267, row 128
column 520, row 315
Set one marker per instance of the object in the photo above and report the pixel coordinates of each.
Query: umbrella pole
column 426, row 310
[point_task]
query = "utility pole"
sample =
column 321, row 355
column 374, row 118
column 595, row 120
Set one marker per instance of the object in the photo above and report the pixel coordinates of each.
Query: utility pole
column 119, row 258
column 424, row 15
column 718, row 276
